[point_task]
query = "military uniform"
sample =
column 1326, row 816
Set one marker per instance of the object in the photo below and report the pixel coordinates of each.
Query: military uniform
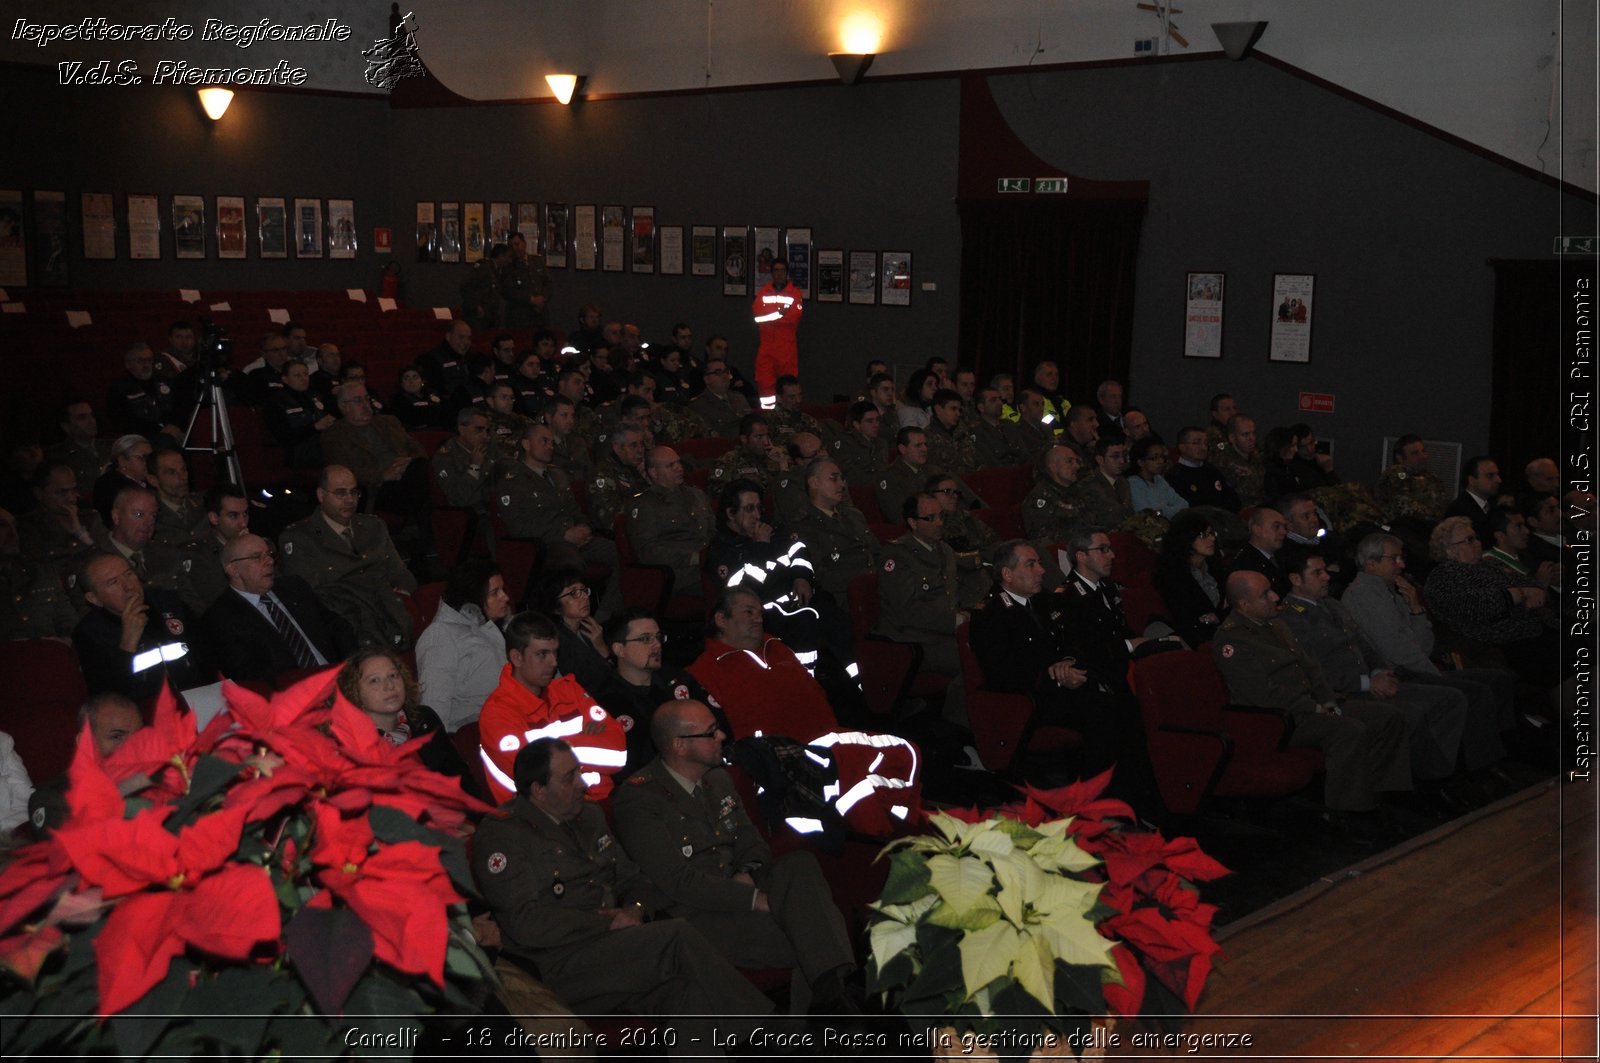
column 1365, row 746
column 355, row 579
column 722, row 415
column 207, row 578
column 675, row 423
column 917, row 603
column 951, row 450
column 1245, row 473
column 1411, row 496
column 158, row 566
column 1437, row 717
column 181, row 526
column 574, row 457
column 971, row 539
column 790, row 498
column 505, row 433
column 1101, row 502
column 996, row 444
column 44, row 539
column 33, row 601
column 785, row 423
column 480, row 297
column 142, row 406
column 1049, row 513
column 1093, row 615
column 899, row 482
column 535, row 505
column 551, row 887
column 860, row 459
column 292, row 417
column 519, row 281
column 739, row 464
column 87, row 462
column 367, row 452
column 1032, row 439
column 690, row 845
column 611, row 490
column 462, row 481
column 670, row 526
column 841, row 546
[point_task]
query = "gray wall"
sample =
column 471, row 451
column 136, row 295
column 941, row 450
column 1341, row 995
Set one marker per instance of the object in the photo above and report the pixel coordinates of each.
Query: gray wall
column 1252, row 171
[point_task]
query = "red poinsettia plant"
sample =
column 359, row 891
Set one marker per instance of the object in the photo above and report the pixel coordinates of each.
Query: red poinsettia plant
column 1046, row 911
column 261, row 877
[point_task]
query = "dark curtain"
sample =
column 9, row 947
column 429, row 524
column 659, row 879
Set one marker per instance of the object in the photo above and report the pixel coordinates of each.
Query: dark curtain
column 1534, row 318
column 1042, row 280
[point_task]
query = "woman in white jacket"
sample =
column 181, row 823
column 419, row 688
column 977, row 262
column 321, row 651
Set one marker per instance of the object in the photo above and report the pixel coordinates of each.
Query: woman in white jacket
column 460, row 655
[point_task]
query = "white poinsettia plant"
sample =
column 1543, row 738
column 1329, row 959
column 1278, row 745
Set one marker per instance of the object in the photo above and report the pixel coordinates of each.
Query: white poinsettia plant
column 1028, row 917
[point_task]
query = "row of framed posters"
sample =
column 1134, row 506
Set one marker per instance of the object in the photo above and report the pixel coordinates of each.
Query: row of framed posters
column 1290, row 336
column 616, row 239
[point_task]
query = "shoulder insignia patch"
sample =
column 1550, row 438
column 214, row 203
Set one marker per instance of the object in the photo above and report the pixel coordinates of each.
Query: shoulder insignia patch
column 496, row 863
column 288, row 547
column 1227, row 649
column 884, row 484
column 443, row 473
column 888, row 565
column 603, row 843
column 626, row 722
column 680, row 692
column 1040, row 503
column 635, row 513
column 505, row 500
column 1297, row 607
column 600, row 482
column 687, row 851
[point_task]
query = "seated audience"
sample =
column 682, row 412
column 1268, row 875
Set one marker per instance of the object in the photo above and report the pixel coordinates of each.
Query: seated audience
column 460, row 653
column 58, row 529
column 917, row 592
column 130, row 642
column 1267, row 530
column 130, row 467
column 142, row 403
column 835, row 533
column 1189, row 576
column 180, row 513
column 583, row 651
column 297, row 417
column 1196, row 479
column 1240, row 461
column 1102, row 494
column 1049, row 511
column 753, row 457
column 1148, row 488
column 642, row 684
column 33, row 598
column 415, row 404
column 670, row 522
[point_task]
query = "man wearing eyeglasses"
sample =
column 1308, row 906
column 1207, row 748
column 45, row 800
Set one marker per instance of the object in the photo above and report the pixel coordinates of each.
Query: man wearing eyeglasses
column 681, row 820
column 261, row 378
column 1093, row 608
column 267, row 623
column 643, row 684
column 350, row 562
column 917, row 590
column 1103, row 496
column 720, row 405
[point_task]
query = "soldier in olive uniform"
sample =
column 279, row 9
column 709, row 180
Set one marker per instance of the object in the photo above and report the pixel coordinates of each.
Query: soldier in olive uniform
column 506, row 425
column 567, row 898
column 1263, row 664
column 1102, row 495
column 675, row 423
column 755, row 457
column 861, row 450
column 1408, row 491
column 917, row 595
column 1030, row 434
column 719, row 405
column 350, row 562
column 80, row 449
column 463, row 467
column 1048, row 511
column 573, row 455
column 790, row 499
column 536, row 501
column 670, row 522
column 993, row 438
column 33, row 598
column 180, row 513
column 951, row 446
column 787, row 417
column 968, row 536
column 906, row 476
column 1240, row 462
column 617, row 478
column 838, row 541
column 525, row 286
column 58, row 530
column 480, row 292
column 681, row 819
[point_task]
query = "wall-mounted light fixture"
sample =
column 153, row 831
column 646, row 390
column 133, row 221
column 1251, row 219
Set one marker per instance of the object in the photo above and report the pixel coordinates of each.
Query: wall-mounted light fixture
column 563, row 85
column 215, row 102
column 861, row 34
column 1237, row 38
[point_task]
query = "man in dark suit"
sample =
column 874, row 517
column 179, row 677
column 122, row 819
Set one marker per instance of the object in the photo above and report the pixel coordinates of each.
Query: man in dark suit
column 1024, row 645
column 1267, row 531
column 264, row 624
column 1480, row 492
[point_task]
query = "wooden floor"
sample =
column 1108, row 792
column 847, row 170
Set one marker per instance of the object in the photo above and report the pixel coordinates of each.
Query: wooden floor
column 1476, row 941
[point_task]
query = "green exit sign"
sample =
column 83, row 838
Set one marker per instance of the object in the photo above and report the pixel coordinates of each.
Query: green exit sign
column 1015, row 184
column 1577, row 245
column 1050, row 184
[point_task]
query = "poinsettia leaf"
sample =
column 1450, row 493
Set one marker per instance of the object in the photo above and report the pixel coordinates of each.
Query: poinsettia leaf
column 330, row 948
column 1080, row 987
column 23, row 954
column 888, row 939
column 140, row 1024
column 207, row 778
column 234, row 1006
column 908, row 879
column 969, row 920
column 392, row 825
column 1019, row 832
column 1035, row 969
column 137, row 947
column 992, row 843
column 963, row 883
column 939, row 978
column 388, row 1006
column 1062, row 854
column 988, row 954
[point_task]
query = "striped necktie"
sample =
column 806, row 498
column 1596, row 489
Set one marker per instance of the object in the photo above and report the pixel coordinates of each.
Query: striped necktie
column 303, row 654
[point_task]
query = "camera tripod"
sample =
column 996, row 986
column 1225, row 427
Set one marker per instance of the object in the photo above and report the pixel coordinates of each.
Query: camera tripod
column 210, row 397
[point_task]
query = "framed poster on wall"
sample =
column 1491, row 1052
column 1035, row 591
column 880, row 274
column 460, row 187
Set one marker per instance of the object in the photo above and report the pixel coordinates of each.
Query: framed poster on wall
column 50, row 239
column 671, row 250
column 1291, row 317
column 613, row 238
column 1202, row 314
column 144, row 226
column 500, row 223
column 830, row 276
column 99, row 226
column 764, row 247
column 230, row 227
column 308, row 228
column 472, row 224
column 797, row 252
column 735, row 260
column 189, row 226
column 341, row 228
column 863, row 278
column 584, row 236
column 449, row 232
column 427, row 233
column 272, row 226
column 896, row 279
column 557, row 235
column 642, row 241
column 703, row 251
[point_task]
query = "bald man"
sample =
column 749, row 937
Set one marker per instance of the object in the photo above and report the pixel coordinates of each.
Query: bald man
column 267, row 623
column 670, row 522
column 681, row 820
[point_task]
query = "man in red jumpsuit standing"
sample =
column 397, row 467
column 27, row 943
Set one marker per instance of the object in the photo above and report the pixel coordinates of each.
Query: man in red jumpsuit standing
column 777, row 311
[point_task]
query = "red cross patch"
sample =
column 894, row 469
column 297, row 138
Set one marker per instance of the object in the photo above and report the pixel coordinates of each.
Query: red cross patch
column 497, row 863
column 1227, row 649
column 888, row 566
column 174, row 625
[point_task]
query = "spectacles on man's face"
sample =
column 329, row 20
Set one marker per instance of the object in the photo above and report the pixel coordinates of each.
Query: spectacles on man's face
column 931, row 518
column 649, row 638
column 1468, row 539
column 715, row 730
column 1102, row 549
column 946, row 491
column 255, row 557
column 1391, row 557
column 575, row 592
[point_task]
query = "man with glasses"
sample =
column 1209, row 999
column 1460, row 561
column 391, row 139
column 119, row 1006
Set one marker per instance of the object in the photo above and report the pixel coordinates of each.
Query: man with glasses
column 227, row 517
column 917, row 594
column 643, row 684
column 267, row 623
column 1195, row 478
column 967, row 535
column 681, row 820
column 463, row 467
column 132, row 535
column 618, row 477
column 721, row 407
column 140, row 401
column 1103, row 496
column 1093, row 609
column 350, row 562
column 261, row 378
